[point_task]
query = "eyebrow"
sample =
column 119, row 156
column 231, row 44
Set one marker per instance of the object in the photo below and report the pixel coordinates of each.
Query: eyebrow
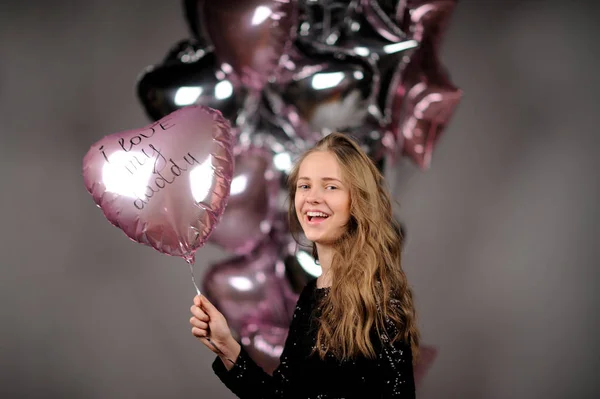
column 323, row 178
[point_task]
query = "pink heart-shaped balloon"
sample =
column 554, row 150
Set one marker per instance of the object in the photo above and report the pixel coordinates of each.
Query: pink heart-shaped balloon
column 251, row 37
column 165, row 185
column 253, row 200
column 250, row 287
column 264, row 343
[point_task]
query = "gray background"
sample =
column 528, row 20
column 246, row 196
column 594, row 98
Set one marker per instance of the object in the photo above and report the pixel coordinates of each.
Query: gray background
column 502, row 248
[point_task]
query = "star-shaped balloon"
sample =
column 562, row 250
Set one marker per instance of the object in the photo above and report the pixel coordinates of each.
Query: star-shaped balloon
column 422, row 99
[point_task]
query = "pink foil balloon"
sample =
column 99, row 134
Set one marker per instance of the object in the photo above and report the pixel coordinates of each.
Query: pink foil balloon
column 250, row 288
column 251, row 37
column 422, row 99
column 264, row 342
column 252, row 202
column 422, row 110
column 165, row 185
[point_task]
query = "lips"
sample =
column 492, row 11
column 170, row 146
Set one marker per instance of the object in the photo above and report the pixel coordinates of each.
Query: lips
column 316, row 216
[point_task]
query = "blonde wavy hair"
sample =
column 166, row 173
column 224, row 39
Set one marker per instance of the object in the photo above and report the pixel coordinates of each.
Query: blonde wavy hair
column 368, row 283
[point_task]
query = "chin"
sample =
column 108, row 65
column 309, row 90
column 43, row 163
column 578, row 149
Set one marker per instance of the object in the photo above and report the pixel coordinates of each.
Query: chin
column 321, row 239
column 313, row 237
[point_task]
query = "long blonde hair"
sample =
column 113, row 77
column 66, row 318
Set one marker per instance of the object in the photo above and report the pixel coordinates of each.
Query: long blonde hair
column 369, row 285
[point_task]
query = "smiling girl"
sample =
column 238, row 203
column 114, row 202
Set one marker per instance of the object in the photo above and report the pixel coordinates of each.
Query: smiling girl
column 353, row 333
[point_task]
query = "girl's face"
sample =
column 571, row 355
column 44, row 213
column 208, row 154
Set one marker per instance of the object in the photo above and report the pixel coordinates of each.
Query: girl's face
column 322, row 199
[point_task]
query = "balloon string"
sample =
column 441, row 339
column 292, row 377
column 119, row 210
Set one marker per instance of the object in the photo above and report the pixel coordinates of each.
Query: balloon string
column 191, row 264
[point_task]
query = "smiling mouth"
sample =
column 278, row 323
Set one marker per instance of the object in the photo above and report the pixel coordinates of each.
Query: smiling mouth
column 316, row 216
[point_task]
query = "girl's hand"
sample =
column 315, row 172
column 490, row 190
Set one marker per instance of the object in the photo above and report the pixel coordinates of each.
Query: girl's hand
column 207, row 322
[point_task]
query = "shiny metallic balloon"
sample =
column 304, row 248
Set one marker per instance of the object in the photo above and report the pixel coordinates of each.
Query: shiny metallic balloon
column 264, row 342
column 252, row 203
column 325, row 93
column 250, row 287
column 189, row 75
column 323, row 20
column 384, row 16
column 422, row 99
column 165, row 185
column 192, row 13
column 360, row 41
column 276, row 134
column 421, row 110
column 251, row 37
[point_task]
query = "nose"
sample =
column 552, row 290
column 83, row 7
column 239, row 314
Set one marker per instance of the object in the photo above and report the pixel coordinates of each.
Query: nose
column 313, row 196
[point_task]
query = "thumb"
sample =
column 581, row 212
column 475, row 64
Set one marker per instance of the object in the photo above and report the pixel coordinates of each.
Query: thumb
column 208, row 307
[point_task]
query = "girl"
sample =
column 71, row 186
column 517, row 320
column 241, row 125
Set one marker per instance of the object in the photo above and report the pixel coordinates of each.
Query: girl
column 353, row 333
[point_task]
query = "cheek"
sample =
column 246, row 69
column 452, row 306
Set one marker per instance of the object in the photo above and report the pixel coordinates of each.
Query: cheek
column 344, row 205
column 298, row 205
column 342, row 208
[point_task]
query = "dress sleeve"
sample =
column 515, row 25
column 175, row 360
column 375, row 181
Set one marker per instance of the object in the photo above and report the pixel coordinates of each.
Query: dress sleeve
column 248, row 380
column 395, row 368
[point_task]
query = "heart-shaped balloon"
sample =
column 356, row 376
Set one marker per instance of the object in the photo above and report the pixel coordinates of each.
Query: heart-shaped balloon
column 252, row 202
column 264, row 343
column 165, row 185
column 189, row 75
column 191, row 14
column 249, row 287
column 251, row 37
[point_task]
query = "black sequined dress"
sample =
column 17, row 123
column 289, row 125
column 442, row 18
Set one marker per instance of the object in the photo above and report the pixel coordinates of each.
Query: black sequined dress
column 304, row 375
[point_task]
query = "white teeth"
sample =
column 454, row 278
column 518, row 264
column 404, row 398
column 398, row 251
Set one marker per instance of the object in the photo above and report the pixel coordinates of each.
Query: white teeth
column 317, row 214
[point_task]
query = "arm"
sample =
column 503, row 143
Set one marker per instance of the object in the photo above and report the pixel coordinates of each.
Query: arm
column 247, row 380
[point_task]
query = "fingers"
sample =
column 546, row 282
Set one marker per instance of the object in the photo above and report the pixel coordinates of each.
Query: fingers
column 199, row 313
column 202, row 313
column 208, row 307
column 195, row 322
column 199, row 332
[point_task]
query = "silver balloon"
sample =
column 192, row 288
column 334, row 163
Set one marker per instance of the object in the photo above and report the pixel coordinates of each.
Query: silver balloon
column 324, row 20
column 384, row 16
column 189, row 75
column 275, row 133
column 325, row 93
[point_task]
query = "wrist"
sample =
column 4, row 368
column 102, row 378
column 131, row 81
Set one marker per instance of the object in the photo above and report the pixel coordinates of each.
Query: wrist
column 231, row 349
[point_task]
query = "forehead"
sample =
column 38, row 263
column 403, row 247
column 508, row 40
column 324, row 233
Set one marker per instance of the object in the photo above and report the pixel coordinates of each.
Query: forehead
column 320, row 164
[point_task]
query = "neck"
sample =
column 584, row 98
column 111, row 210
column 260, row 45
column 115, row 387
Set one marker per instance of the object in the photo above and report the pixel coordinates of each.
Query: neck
column 325, row 257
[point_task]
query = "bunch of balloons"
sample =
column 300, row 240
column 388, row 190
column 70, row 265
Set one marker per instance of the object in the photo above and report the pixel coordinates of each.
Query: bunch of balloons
column 282, row 74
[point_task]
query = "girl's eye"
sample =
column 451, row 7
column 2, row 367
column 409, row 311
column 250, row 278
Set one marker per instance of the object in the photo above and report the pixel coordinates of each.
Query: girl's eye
column 303, row 186
column 331, row 187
